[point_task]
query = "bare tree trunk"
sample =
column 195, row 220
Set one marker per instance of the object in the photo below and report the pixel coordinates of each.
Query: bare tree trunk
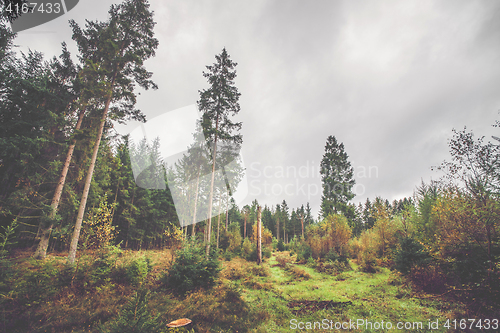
column 284, row 232
column 302, row 222
column 245, row 226
column 259, row 237
column 227, row 209
column 196, row 201
column 278, row 227
column 114, row 202
column 212, row 188
column 78, row 225
column 41, row 250
column 218, row 220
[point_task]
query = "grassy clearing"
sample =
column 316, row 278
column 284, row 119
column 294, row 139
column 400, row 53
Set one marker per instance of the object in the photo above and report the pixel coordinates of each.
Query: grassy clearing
column 374, row 297
column 246, row 297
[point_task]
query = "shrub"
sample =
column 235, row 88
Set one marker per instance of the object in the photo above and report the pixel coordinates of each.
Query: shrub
column 430, row 278
column 259, row 270
column 235, row 238
column 266, row 252
column 246, row 249
column 304, row 252
column 135, row 317
column 274, row 244
column 281, row 246
column 192, row 269
column 311, row 262
column 409, row 254
column 37, row 286
column 298, row 272
column 367, row 261
column 332, row 267
column 134, row 271
column 105, row 263
column 227, row 255
column 283, row 260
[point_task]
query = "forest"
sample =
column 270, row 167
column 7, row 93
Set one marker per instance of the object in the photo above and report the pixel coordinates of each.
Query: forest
column 101, row 234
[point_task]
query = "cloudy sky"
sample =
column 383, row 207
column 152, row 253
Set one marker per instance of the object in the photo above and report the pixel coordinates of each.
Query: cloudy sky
column 390, row 79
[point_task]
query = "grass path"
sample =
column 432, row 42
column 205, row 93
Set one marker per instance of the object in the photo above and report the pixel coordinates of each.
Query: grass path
column 374, row 297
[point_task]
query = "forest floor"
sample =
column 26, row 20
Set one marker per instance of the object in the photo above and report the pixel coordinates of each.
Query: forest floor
column 277, row 296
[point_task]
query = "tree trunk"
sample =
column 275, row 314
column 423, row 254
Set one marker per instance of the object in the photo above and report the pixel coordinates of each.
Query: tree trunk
column 227, row 209
column 259, row 237
column 218, row 220
column 41, row 250
column 245, row 226
column 212, row 188
column 196, row 202
column 302, row 222
column 284, row 232
column 78, row 225
column 278, row 227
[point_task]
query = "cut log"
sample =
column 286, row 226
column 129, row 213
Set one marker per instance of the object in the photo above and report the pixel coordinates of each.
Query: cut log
column 179, row 323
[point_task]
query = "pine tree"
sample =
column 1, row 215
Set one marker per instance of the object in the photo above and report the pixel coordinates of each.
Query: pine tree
column 120, row 47
column 218, row 103
column 284, row 220
column 67, row 73
column 337, row 177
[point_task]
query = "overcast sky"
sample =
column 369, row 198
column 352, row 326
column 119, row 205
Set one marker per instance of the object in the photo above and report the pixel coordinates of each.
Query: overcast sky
column 389, row 79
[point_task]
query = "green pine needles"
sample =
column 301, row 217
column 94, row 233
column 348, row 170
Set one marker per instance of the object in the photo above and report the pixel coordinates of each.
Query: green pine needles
column 135, row 317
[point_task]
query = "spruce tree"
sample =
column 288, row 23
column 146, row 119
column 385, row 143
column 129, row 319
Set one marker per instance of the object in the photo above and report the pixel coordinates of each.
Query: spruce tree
column 337, row 177
column 218, row 103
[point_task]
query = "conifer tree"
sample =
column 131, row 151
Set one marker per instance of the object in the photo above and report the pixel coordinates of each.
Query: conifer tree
column 218, row 103
column 120, row 47
column 337, row 177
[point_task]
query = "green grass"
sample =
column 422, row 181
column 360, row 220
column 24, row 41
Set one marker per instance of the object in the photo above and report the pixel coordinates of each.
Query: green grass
column 246, row 298
column 373, row 298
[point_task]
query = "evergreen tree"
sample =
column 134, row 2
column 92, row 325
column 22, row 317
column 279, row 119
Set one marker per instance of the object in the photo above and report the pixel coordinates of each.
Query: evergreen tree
column 337, row 177
column 285, row 221
column 368, row 215
column 218, row 103
column 121, row 46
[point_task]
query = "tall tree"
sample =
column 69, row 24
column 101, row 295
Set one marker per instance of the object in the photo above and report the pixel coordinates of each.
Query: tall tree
column 284, row 219
column 67, row 73
column 337, row 177
column 218, row 103
column 122, row 44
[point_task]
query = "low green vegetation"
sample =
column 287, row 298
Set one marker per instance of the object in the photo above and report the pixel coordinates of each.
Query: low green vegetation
column 128, row 291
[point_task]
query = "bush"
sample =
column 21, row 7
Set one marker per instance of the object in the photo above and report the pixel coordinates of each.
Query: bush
column 283, row 260
column 235, row 238
column 311, row 262
column 246, row 249
column 367, row 261
column 409, row 254
column 192, row 269
column 281, row 245
column 135, row 271
column 430, row 278
column 298, row 272
column 105, row 263
column 227, row 255
column 135, row 317
column 274, row 244
column 266, row 252
column 37, row 285
column 304, row 252
column 333, row 267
